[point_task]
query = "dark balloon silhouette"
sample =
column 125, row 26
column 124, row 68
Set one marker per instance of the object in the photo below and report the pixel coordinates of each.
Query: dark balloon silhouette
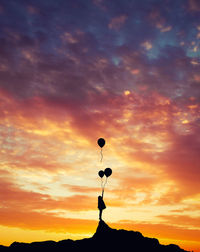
column 101, row 174
column 101, row 205
column 101, row 142
column 108, row 172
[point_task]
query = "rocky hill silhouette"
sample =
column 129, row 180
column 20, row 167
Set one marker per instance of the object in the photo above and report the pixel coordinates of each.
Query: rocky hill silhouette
column 104, row 239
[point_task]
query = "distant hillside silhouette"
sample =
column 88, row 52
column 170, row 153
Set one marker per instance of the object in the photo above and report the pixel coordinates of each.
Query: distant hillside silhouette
column 104, row 239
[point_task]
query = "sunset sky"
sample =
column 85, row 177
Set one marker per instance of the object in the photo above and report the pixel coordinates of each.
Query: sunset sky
column 72, row 71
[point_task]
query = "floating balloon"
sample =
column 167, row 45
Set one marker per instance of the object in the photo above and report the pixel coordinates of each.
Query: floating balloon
column 108, row 172
column 101, row 174
column 101, row 142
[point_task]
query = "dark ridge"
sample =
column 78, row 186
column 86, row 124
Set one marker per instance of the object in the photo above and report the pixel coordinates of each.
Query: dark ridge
column 104, row 239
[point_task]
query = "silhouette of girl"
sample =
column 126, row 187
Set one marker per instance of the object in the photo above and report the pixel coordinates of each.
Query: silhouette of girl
column 101, row 206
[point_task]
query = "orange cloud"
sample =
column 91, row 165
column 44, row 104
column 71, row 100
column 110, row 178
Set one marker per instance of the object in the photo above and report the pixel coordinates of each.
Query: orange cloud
column 13, row 197
column 194, row 5
column 59, row 140
column 182, row 220
column 135, row 71
column 37, row 221
column 147, row 45
column 59, row 94
column 197, row 78
column 117, row 22
column 163, row 28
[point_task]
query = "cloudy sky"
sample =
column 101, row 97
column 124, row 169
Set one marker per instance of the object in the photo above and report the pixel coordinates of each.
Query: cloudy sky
column 73, row 71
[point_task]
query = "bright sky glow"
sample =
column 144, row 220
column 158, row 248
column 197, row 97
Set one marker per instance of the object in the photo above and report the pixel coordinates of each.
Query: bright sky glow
column 74, row 71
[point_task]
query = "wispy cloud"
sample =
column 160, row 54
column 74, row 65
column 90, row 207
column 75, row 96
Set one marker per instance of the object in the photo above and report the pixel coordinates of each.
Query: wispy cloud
column 128, row 72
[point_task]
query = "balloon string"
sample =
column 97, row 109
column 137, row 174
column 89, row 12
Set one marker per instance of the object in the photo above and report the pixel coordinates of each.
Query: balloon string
column 101, row 155
column 105, row 183
column 101, row 183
